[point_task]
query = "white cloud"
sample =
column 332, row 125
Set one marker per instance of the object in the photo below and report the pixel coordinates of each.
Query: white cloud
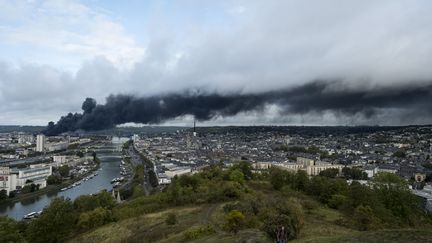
column 260, row 46
column 237, row 10
column 72, row 29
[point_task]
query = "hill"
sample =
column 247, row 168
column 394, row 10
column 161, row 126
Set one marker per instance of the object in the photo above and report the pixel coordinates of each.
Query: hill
column 235, row 204
column 321, row 224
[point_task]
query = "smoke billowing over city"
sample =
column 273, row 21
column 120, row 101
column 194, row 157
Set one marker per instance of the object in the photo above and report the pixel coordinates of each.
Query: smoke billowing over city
column 238, row 52
column 317, row 97
column 216, row 121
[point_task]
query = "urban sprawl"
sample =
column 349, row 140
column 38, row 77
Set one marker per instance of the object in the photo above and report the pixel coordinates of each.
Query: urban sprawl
column 28, row 160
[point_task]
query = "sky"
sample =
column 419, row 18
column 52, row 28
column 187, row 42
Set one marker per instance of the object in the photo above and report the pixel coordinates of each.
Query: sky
column 57, row 53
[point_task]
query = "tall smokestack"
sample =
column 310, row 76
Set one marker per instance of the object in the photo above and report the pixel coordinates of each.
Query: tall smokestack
column 194, row 130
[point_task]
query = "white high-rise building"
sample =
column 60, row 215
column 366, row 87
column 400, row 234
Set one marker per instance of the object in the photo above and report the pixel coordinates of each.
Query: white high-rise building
column 40, row 143
column 135, row 138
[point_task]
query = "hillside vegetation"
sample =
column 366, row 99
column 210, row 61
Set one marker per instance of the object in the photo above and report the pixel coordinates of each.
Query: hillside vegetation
column 235, row 205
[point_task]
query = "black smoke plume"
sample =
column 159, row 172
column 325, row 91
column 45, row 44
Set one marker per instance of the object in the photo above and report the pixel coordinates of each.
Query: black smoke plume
column 313, row 97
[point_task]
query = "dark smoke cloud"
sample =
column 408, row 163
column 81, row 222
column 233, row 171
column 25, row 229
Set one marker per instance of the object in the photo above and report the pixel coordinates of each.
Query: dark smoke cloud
column 315, row 97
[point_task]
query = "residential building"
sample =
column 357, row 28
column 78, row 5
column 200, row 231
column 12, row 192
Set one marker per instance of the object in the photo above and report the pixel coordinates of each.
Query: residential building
column 17, row 178
column 40, row 143
column 311, row 166
column 5, row 179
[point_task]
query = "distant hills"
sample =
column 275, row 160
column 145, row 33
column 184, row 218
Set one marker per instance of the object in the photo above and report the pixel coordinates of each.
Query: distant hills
column 303, row 130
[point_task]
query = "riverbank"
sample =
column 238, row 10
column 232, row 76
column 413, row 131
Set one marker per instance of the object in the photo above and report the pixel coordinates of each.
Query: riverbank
column 48, row 188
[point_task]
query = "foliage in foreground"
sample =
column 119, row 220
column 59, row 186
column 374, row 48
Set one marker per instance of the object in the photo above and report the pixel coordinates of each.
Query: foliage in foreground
column 386, row 203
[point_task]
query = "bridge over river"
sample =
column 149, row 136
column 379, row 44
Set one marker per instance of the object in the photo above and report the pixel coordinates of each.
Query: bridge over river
column 110, row 156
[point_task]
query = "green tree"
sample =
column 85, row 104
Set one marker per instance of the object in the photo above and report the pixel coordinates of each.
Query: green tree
column 137, row 191
column 279, row 178
column 95, row 218
column 55, row 224
column 319, row 188
column 153, row 179
column 192, row 181
column 237, row 176
column 171, row 219
column 354, row 173
column 30, row 188
column 301, row 180
column 361, row 195
column 10, row 231
column 3, row 195
column 138, row 178
column 338, row 201
column 234, row 221
column 288, row 214
column 313, row 150
column 330, row 172
column 86, row 203
column 245, row 168
column 394, row 193
column 389, row 180
column 53, row 180
column 64, row 170
column 399, row 154
column 297, row 149
column 365, row 218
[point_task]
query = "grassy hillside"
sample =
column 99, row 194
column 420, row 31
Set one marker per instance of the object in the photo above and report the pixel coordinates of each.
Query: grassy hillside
column 234, row 204
column 322, row 224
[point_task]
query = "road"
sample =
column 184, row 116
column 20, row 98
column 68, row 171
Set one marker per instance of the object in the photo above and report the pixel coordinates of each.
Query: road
column 135, row 160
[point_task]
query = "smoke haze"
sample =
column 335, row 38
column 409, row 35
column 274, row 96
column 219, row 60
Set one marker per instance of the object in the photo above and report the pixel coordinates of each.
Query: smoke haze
column 57, row 53
column 316, row 97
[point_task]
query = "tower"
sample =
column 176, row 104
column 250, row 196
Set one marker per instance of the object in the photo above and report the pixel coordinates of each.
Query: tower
column 194, row 129
column 40, row 143
column 118, row 197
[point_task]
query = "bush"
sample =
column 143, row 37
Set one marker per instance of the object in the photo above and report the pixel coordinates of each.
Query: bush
column 153, row 179
column 338, row 201
column 288, row 215
column 90, row 202
column 310, row 204
column 231, row 190
column 199, row 232
column 64, row 170
column 94, row 218
column 30, row 188
column 237, row 176
column 55, row 224
column 301, row 180
column 53, row 180
column 364, row 218
column 3, row 194
column 234, row 221
column 10, row 230
column 279, row 178
column 245, row 168
column 137, row 191
column 12, row 194
column 354, row 173
column 171, row 219
column 330, row 173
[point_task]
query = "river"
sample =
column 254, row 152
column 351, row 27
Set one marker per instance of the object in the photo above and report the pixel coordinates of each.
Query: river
column 109, row 169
